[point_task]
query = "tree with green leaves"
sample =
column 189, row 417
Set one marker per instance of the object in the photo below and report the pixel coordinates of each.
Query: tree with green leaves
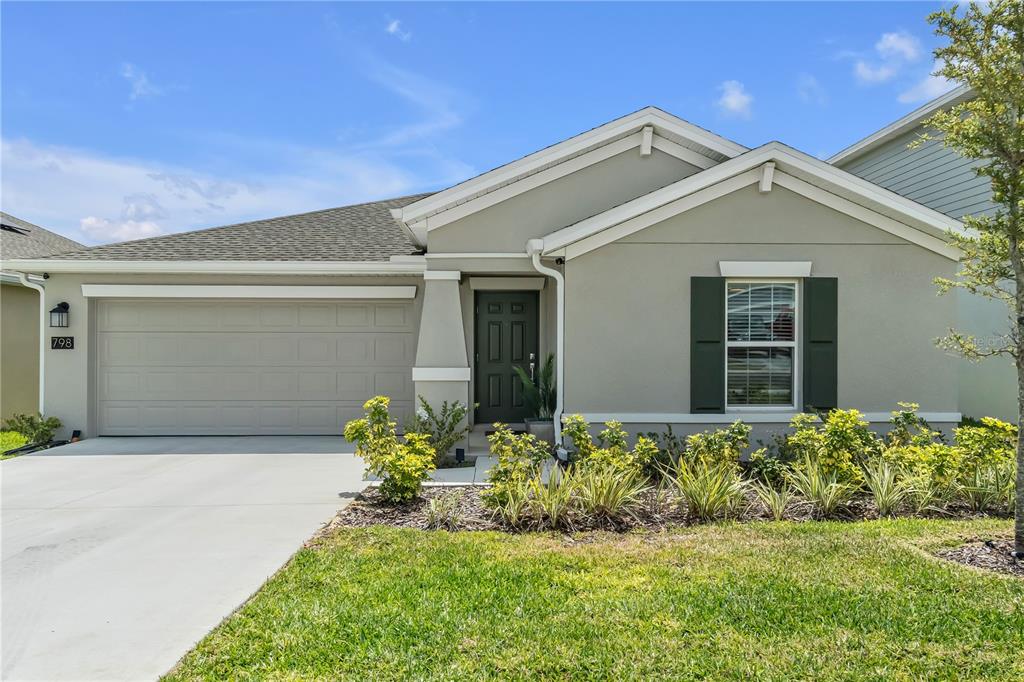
column 985, row 51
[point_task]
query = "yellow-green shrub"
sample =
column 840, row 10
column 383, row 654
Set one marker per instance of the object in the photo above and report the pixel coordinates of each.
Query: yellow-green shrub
column 11, row 440
column 520, row 456
column 613, row 450
column 721, row 446
column 939, row 462
column 994, row 442
column 838, row 445
column 402, row 467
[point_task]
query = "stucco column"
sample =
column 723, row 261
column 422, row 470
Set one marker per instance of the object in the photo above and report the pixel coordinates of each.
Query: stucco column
column 442, row 366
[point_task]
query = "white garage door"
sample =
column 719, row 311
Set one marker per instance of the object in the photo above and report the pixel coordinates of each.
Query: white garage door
column 173, row 367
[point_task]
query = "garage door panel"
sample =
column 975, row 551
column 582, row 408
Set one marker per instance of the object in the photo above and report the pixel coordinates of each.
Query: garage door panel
column 249, row 367
column 219, row 418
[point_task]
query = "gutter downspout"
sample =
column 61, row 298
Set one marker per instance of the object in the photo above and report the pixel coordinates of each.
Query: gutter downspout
column 23, row 278
column 534, row 247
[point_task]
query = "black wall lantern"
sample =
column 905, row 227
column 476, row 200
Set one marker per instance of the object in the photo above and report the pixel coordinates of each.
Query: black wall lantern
column 59, row 315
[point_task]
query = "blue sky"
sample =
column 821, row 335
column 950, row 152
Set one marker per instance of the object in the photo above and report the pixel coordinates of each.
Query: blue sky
column 128, row 120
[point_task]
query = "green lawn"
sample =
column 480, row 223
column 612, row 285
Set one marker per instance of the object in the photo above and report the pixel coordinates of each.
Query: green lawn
column 756, row 601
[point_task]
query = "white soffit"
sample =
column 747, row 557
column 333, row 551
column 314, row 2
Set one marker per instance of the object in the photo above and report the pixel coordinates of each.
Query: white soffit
column 793, row 170
column 743, row 268
column 670, row 134
column 298, row 292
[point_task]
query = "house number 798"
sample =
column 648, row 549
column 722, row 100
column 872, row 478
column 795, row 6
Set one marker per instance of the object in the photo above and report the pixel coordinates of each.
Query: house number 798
column 62, row 342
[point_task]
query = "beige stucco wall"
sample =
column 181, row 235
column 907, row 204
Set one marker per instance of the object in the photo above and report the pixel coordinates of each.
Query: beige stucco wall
column 627, row 305
column 505, row 227
column 68, row 372
column 987, row 387
column 19, row 350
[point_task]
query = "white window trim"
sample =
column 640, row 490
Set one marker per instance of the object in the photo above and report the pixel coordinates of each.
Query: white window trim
column 794, row 344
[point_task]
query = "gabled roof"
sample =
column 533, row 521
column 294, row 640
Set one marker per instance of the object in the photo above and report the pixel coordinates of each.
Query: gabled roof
column 21, row 239
column 903, row 125
column 771, row 163
column 360, row 233
column 667, row 132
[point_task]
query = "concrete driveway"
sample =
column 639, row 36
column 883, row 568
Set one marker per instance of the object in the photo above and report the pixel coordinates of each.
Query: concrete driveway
column 119, row 554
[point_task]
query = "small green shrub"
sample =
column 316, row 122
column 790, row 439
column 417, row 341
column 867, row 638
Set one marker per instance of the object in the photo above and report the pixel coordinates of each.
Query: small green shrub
column 822, row 488
column 776, row 499
column 670, row 450
column 612, row 448
column 721, row 446
column 446, row 427
column 909, row 428
column 520, row 456
column 443, row 512
column 609, row 492
column 11, row 440
column 402, row 467
column 35, row 428
column 766, row 467
column 709, row 490
column 887, row 488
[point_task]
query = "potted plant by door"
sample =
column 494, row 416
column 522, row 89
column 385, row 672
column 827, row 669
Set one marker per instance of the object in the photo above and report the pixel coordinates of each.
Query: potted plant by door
column 539, row 396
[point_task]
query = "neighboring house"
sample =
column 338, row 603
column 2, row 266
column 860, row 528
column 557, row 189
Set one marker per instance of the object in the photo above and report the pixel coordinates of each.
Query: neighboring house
column 20, row 313
column 940, row 178
column 679, row 277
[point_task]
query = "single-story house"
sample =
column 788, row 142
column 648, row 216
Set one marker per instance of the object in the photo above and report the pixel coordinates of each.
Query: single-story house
column 939, row 178
column 20, row 301
column 677, row 276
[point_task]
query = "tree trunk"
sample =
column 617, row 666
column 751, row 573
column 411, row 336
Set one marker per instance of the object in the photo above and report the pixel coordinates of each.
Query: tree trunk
column 1018, row 510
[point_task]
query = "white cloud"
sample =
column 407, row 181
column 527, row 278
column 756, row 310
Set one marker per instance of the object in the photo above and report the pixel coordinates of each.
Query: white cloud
column 735, row 100
column 894, row 51
column 142, row 87
column 900, row 45
column 394, row 27
column 103, row 230
column 928, row 88
column 866, row 73
column 105, row 199
column 810, row 90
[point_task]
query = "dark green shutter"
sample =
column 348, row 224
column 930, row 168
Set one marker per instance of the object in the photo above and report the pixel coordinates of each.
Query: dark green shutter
column 707, row 344
column 821, row 336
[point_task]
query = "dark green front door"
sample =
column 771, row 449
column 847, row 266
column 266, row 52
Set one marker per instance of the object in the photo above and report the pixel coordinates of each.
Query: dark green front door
column 506, row 336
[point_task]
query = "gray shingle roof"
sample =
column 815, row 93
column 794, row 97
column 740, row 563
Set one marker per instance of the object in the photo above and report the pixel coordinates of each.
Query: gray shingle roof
column 21, row 239
column 363, row 232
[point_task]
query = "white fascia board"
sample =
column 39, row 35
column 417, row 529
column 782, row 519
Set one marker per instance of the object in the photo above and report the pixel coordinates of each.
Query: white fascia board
column 748, row 417
column 682, row 153
column 571, row 147
column 866, row 215
column 480, row 283
column 440, row 373
column 415, row 236
column 218, row 267
column 532, row 181
column 902, row 125
column 737, row 268
column 916, row 223
column 299, row 292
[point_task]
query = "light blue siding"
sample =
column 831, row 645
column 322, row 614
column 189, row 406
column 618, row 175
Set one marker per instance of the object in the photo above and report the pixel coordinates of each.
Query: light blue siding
column 930, row 174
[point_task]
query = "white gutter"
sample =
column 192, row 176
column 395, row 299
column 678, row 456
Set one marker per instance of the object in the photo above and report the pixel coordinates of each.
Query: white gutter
column 534, row 247
column 23, row 278
column 221, row 267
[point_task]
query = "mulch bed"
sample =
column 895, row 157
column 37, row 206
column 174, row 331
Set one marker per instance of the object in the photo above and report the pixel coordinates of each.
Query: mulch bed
column 990, row 555
column 657, row 512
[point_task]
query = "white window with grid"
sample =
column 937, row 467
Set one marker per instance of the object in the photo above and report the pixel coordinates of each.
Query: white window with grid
column 761, row 344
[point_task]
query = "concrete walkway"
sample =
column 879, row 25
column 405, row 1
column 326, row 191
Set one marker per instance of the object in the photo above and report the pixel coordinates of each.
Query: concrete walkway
column 118, row 555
